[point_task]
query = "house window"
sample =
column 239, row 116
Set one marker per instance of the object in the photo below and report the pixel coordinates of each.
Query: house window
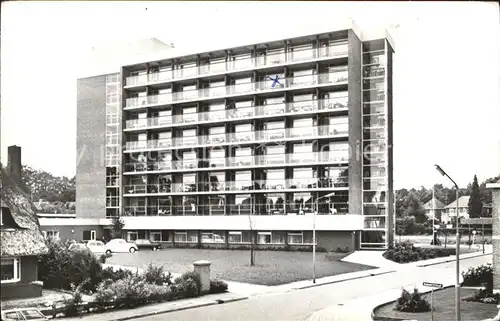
column 51, row 234
column 1, row 215
column 10, row 270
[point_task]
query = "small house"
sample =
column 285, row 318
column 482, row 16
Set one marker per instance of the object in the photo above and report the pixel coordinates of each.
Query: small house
column 20, row 234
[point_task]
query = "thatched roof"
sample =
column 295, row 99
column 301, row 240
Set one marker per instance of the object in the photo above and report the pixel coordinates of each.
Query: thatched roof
column 25, row 238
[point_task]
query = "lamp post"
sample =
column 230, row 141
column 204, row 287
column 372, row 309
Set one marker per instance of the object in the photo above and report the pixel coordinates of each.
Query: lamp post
column 457, row 285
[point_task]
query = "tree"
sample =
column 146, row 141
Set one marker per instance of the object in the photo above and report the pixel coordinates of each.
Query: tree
column 252, row 240
column 475, row 202
column 117, row 226
column 414, row 208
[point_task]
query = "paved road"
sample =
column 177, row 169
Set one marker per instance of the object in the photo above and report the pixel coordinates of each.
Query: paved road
column 300, row 304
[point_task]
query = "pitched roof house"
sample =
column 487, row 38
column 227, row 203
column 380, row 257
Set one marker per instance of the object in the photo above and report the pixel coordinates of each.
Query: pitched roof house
column 450, row 209
column 438, row 208
column 20, row 234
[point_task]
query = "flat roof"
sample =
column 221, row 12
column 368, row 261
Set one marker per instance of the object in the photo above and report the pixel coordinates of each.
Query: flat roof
column 156, row 52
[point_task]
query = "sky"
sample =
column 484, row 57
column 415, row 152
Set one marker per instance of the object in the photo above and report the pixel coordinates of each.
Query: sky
column 446, row 71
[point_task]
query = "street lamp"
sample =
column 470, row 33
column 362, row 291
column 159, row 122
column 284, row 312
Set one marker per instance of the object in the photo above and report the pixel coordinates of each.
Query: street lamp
column 457, row 285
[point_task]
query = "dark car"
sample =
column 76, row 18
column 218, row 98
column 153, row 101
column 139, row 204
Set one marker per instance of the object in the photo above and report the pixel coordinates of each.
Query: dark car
column 147, row 244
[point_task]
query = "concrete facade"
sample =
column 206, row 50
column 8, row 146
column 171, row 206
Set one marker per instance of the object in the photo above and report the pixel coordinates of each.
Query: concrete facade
column 90, row 144
column 24, row 288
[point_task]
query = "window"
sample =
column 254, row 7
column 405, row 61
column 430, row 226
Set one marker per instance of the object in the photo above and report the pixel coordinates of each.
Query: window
column 295, row 238
column 209, row 237
column 132, row 236
column 186, row 237
column 155, row 236
column 111, row 78
column 10, row 270
column 271, row 238
column 239, row 237
column 1, row 215
column 51, row 234
column 264, row 238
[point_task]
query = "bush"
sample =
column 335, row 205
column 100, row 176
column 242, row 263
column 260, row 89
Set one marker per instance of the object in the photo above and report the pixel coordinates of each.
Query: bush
column 71, row 305
column 156, row 275
column 130, row 292
column 188, row 284
column 60, row 268
column 479, row 276
column 404, row 252
column 110, row 274
column 412, row 302
column 218, row 286
column 484, row 296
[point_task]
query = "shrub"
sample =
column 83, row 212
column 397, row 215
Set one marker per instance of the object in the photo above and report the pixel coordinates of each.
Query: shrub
column 110, row 274
column 484, row 296
column 412, row 302
column 71, row 305
column 130, row 292
column 188, row 284
column 156, row 275
column 218, row 286
column 404, row 252
column 479, row 276
column 60, row 268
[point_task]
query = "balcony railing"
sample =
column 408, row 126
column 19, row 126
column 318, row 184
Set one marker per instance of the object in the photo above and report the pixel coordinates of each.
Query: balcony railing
column 241, row 113
column 294, row 208
column 242, row 185
column 270, row 59
column 337, row 77
column 339, row 156
column 338, row 129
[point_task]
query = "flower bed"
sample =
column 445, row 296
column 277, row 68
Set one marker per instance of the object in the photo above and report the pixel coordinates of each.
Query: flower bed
column 112, row 289
column 405, row 252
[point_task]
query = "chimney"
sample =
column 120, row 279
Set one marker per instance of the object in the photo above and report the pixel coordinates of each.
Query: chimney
column 14, row 162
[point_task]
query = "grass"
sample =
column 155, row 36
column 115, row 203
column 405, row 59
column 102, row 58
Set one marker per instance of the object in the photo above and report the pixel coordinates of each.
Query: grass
column 272, row 267
column 444, row 308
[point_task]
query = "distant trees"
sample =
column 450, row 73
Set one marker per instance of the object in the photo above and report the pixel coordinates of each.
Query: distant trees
column 43, row 185
column 117, row 225
column 475, row 202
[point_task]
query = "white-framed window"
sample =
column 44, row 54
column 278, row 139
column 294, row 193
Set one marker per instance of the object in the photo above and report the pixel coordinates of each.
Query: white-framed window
column 1, row 215
column 52, row 234
column 271, row 237
column 212, row 237
column 295, row 238
column 186, row 237
column 10, row 270
column 264, row 237
column 239, row 237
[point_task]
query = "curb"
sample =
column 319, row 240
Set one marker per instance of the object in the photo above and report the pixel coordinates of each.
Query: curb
column 200, row 305
column 342, row 280
column 453, row 260
column 374, row 317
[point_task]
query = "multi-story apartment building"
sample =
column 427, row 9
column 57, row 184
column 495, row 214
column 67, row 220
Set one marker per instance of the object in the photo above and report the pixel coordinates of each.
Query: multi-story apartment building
column 244, row 144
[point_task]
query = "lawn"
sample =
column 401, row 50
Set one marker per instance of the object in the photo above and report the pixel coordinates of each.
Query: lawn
column 444, row 308
column 272, row 267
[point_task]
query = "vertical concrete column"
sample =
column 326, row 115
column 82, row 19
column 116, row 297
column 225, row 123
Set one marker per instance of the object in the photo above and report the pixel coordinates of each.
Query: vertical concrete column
column 495, row 191
column 202, row 268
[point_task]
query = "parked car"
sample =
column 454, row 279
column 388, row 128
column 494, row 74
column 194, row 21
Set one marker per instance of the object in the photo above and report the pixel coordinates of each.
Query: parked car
column 120, row 246
column 78, row 247
column 96, row 246
column 23, row 314
column 147, row 244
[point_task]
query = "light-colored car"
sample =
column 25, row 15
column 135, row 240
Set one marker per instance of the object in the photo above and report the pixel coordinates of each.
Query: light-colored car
column 96, row 246
column 78, row 247
column 120, row 246
column 23, row 314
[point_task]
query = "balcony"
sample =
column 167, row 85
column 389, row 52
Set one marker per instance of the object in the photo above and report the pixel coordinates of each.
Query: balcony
column 219, row 67
column 321, row 105
column 239, row 186
column 337, row 157
column 333, row 78
column 250, row 137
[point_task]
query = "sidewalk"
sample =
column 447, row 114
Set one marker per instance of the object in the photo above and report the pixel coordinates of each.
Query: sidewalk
column 160, row 308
